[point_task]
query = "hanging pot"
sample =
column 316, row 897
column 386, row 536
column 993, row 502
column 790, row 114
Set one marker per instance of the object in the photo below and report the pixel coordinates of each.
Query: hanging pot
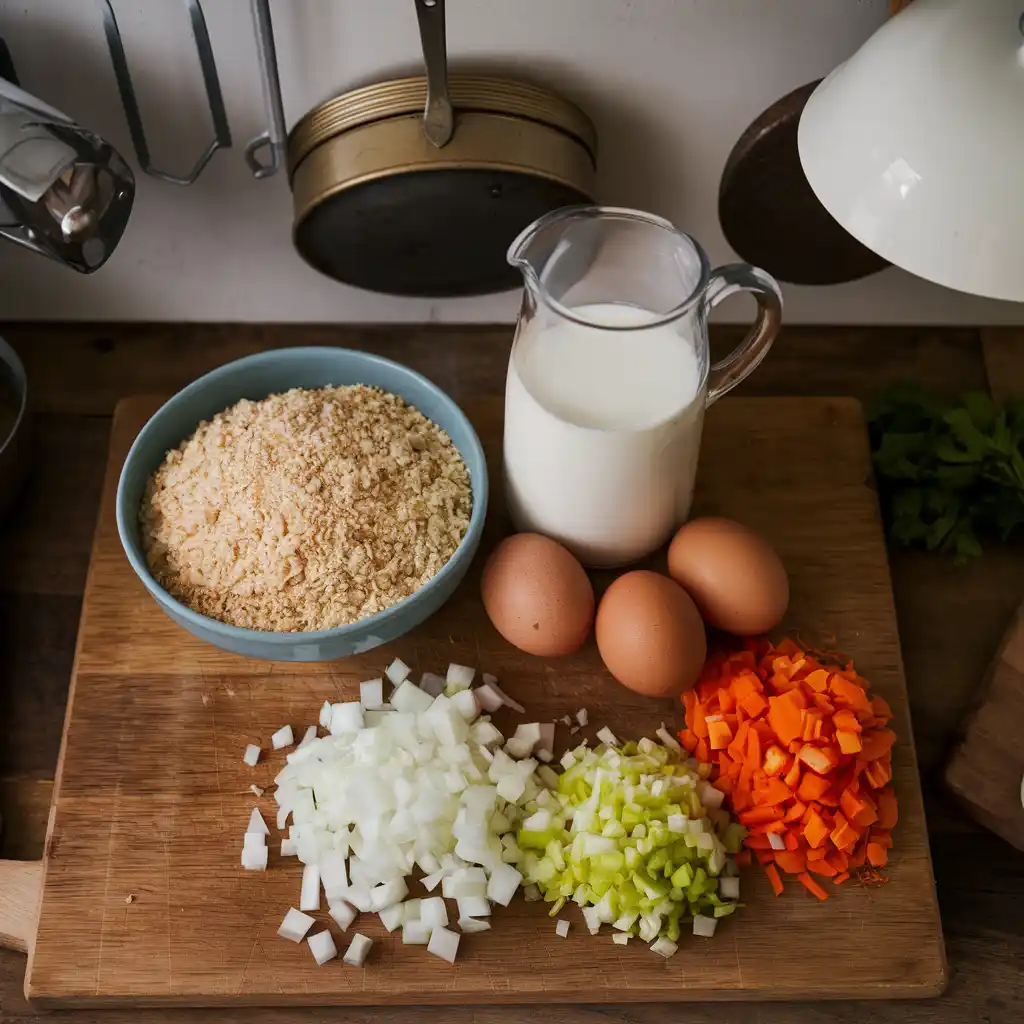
column 417, row 186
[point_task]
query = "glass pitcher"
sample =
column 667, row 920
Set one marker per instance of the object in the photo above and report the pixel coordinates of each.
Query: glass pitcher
column 610, row 374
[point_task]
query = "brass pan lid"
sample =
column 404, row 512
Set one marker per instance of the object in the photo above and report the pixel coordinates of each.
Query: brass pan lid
column 403, row 96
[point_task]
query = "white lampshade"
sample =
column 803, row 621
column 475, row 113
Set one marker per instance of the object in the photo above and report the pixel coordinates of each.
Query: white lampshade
column 916, row 144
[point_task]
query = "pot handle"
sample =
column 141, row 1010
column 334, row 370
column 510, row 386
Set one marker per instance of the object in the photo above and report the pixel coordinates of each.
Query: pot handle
column 275, row 138
column 438, row 119
column 726, row 281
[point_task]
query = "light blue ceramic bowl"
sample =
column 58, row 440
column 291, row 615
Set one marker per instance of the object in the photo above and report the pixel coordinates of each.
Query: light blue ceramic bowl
column 256, row 377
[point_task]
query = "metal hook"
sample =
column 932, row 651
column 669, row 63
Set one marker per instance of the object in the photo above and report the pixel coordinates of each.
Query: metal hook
column 208, row 66
column 276, row 136
column 438, row 118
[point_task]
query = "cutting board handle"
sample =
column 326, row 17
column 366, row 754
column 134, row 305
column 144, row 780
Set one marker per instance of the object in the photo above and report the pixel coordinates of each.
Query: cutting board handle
column 21, row 885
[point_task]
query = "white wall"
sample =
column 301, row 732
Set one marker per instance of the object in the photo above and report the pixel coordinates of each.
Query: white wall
column 670, row 83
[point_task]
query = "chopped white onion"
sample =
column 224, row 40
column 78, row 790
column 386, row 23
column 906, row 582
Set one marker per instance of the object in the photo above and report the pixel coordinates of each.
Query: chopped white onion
column 433, row 912
column 254, row 859
column 392, row 917
column 295, row 925
column 505, row 698
column 288, row 848
column 371, row 693
column 251, row 755
column 466, row 705
column 444, row 944
column 309, row 898
column 322, row 947
column 343, row 914
column 257, row 824
column 775, row 841
column 488, row 698
column 408, row 697
column 592, row 916
column 346, row 717
column 254, row 841
column 562, row 927
column 705, row 926
column 470, row 925
column 460, row 676
column 416, row 933
column 668, row 739
column 531, row 894
column 620, row 938
column 282, row 738
column 397, row 672
column 432, row 683
column 358, row 950
column 664, row 947
column 729, row 888
column 325, row 715
column 607, row 737
column 581, row 717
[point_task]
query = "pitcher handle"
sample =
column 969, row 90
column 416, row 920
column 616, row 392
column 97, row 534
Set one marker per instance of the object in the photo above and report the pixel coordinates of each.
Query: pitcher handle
column 727, row 281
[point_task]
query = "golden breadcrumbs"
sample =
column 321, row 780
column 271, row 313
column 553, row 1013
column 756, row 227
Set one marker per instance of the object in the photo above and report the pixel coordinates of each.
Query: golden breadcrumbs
column 305, row 510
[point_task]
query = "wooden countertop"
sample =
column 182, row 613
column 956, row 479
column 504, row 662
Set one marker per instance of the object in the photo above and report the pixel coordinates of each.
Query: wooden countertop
column 950, row 619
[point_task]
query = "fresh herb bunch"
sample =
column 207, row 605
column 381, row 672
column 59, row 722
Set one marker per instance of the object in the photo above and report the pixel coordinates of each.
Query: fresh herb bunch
column 948, row 475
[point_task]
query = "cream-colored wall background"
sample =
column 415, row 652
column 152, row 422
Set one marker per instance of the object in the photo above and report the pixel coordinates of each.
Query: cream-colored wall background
column 670, row 83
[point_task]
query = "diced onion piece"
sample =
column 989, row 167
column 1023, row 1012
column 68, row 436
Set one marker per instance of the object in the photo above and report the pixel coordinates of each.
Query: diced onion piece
column 729, row 888
column 288, row 848
column 254, row 841
column 444, row 944
column 343, row 914
column 506, row 699
column 460, row 677
column 325, row 715
column 254, row 859
column 664, row 947
column 593, row 919
column 371, row 693
column 433, row 912
column 322, row 947
column 283, row 737
column 431, row 882
column 620, row 938
column 256, row 823
column 358, row 950
column 416, row 933
column 470, row 925
column 251, row 755
column 432, row 683
column 607, row 737
column 308, row 736
column 295, row 925
column 519, row 749
column 488, row 698
column 775, row 841
column 397, row 672
column 466, row 705
column 531, row 894
column 704, row 926
column 562, row 927
column 668, row 739
column 333, row 873
column 473, row 906
column 309, row 897
column 346, row 717
column 387, row 894
column 408, row 697
column 581, row 717
column 392, row 917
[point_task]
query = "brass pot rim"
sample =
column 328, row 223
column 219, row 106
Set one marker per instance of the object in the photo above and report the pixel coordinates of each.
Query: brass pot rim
column 402, row 96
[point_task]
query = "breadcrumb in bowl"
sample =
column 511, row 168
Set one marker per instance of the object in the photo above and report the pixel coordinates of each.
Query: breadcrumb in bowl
column 388, row 495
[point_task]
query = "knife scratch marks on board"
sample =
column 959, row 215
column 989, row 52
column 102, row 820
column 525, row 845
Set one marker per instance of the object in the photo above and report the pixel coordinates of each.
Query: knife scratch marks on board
column 252, row 953
column 736, row 952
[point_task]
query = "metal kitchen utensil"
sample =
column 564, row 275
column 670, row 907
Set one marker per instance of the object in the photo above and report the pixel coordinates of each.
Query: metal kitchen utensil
column 275, row 138
column 208, row 66
column 417, row 186
column 64, row 192
column 438, row 118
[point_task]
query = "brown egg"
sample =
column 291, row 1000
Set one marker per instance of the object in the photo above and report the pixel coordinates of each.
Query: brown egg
column 650, row 634
column 735, row 577
column 537, row 595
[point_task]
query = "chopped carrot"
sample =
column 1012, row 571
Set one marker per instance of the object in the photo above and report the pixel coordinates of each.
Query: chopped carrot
column 819, row 759
column 795, row 812
column 719, row 735
column 791, row 861
column 812, row 886
column 876, row 743
column 840, row 878
column 816, row 831
column 776, row 760
column 812, row 787
column 801, row 752
column 878, row 856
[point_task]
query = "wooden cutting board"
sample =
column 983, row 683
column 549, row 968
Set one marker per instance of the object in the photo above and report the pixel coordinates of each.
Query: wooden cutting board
column 144, row 901
column 987, row 766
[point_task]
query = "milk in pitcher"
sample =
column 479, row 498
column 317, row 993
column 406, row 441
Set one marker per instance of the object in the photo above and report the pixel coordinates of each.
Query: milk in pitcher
column 602, row 430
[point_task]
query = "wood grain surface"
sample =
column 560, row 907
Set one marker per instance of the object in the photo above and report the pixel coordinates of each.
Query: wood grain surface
column 144, row 901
